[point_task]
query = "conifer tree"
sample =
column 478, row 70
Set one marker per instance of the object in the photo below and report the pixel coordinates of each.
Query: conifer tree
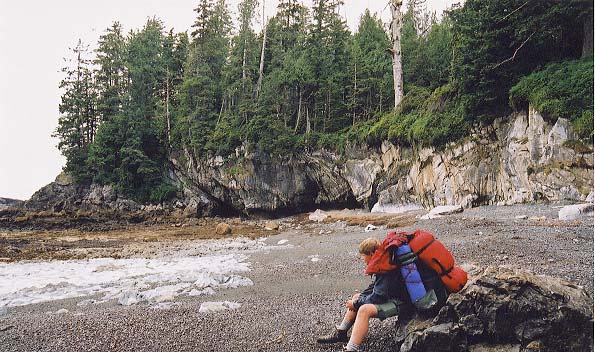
column 110, row 73
column 78, row 122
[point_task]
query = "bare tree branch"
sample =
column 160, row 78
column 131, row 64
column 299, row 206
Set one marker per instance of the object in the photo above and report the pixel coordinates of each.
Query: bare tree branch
column 510, row 14
column 515, row 52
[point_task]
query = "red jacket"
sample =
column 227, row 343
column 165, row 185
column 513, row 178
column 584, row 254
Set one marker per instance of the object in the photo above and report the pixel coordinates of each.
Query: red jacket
column 380, row 262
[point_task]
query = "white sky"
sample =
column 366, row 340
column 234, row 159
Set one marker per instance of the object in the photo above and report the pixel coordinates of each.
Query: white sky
column 36, row 35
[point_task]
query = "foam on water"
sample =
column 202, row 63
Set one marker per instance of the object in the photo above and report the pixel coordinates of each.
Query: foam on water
column 128, row 280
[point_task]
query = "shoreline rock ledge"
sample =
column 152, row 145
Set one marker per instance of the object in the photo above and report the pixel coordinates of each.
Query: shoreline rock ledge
column 506, row 309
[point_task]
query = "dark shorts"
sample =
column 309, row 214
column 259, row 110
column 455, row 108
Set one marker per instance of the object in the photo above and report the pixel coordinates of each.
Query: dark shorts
column 388, row 309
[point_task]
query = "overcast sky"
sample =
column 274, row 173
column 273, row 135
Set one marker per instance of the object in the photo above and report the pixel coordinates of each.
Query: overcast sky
column 34, row 38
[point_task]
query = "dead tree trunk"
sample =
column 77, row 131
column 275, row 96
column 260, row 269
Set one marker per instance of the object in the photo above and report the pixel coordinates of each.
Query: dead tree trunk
column 299, row 113
column 261, row 67
column 395, row 36
column 167, row 109
column 244, row 65
column 307, row 121
column 354, row 92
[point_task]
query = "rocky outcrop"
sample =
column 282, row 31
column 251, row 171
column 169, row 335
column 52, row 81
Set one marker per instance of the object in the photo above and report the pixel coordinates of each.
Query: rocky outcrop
column 260, row 184
column 518, row 159
column 505, row 309
column 66, row 195
column 9, row 202
column 521, row 158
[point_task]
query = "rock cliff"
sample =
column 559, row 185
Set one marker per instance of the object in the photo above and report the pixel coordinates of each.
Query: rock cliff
column 520, row 158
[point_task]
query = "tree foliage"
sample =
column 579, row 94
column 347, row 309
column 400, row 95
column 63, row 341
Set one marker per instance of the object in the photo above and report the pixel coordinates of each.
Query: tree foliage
column 152, row 92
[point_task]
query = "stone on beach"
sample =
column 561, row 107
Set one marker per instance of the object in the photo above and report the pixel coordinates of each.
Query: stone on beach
column 571, row 212
column 271, row 226
column 129, row 298
column 223, row 229
column 442, row 210
column 370, row 228
column 211, row 307
column 317, row 216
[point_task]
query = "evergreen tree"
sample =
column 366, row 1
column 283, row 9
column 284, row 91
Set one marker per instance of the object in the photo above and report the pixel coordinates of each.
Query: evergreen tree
column 497, row 42
column 129, row 151
column 426, row 58
column 202, row 91
column 370, row 69
column 110, row 74
column 78, row 122
column 329, row 57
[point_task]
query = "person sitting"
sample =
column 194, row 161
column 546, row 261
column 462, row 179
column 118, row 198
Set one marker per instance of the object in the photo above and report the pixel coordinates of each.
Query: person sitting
column 385, row 297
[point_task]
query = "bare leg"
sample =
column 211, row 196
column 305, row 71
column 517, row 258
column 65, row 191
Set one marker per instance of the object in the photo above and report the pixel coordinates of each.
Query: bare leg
column 340, row 333
column 360, row 328
column 349, row 315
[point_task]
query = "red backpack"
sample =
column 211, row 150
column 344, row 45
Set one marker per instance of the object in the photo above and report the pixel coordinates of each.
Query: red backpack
column 433, row 253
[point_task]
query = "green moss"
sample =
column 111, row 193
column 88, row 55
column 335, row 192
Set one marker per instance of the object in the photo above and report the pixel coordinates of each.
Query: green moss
column 562, row 89
column 424, row 119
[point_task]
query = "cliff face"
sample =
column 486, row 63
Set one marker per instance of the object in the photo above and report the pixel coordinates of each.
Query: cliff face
column 524, row 159
column 519, row 159
column 257, row 183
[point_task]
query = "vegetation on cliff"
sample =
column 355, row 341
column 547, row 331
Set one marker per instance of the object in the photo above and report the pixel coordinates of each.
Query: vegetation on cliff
column 305, row 81
column 561, row 89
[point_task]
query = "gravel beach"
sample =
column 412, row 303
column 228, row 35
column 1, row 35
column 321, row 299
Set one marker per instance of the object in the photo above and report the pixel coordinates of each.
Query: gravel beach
column 299, row 290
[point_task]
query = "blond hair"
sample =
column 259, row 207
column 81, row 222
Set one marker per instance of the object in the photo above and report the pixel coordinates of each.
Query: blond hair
column 368, row 246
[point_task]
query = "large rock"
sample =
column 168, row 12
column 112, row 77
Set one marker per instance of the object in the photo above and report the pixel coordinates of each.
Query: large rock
column 260, row 183
column 318, row 216
column 223, row 229
column 442, row 210
column 271, row 226
column 505, row 309
column 521, row 158
column 571, row 212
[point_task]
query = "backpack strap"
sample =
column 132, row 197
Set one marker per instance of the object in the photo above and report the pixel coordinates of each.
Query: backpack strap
column 443, row 271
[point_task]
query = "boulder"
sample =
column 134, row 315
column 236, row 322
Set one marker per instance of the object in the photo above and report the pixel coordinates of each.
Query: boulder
column 271, row 226
column 442, row 210
column 506, row 309
column 212, row 307
column 223, row 229
column 126, row 205
column 317, row 216
column 571, row 212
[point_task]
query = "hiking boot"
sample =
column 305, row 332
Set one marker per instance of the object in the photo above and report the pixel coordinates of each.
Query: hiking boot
column 336, row 336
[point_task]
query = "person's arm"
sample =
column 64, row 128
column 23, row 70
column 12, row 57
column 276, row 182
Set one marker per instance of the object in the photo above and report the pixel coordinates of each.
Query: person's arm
column 350, row 304
column 368, row 290
column 378, row 295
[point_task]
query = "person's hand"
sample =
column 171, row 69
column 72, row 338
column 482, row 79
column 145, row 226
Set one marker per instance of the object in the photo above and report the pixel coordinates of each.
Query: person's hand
column 355, row 297
column 349, row 305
